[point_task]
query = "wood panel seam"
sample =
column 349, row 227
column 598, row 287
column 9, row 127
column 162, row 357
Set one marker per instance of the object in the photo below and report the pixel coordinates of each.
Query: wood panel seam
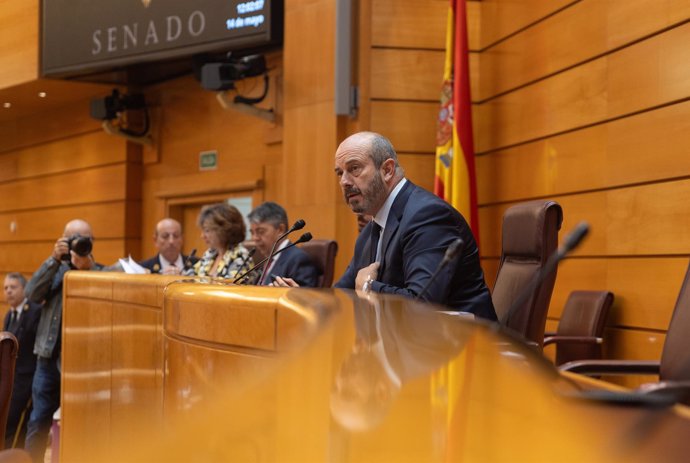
column 585, row 126
column 590, row 190
column 582, row 62
column 527, row 26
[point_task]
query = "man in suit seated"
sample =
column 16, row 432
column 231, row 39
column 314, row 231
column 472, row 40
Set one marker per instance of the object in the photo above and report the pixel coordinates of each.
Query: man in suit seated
column 400, row 249
column 168, row 241
column 267, row 222
column 22, row 321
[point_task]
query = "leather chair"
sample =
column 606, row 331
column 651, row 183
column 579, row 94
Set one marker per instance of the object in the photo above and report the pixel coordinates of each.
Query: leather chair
column 322, row 253
column 580, row 331
column 8, row 358
column 529, row 237
column 674, row 366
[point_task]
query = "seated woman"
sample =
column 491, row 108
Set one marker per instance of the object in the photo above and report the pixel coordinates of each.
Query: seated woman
column 223, row 229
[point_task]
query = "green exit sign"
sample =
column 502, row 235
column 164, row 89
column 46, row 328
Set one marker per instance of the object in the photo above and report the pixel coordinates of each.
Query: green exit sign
column 208, row 160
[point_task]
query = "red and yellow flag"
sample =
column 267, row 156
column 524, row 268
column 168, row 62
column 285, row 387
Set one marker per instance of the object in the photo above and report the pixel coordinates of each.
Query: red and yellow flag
column 455, row 175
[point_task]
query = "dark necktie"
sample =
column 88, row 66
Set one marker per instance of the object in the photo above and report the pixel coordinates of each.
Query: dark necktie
column 12, row 328
column 375, row 235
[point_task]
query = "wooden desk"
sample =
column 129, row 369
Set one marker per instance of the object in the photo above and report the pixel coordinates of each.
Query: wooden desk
column 227, row 373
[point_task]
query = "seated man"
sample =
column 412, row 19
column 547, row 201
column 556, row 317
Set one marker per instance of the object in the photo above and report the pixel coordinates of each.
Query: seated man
column 22, row 321
column 267, row 222
column 400, row 249
column 168, row 241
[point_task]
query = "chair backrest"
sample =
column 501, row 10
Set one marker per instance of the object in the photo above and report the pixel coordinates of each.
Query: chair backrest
column 322, row 253
column 8, row 359
column 529, row 237
column 675, row 357
column 584, row 315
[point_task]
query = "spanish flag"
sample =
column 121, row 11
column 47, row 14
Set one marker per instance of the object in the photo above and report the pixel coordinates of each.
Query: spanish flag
column 455, row 179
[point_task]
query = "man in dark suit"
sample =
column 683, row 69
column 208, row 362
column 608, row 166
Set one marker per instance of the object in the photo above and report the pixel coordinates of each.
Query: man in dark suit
column 168, row 241
column 399, row 250
column 22, row 321
column 267, row 223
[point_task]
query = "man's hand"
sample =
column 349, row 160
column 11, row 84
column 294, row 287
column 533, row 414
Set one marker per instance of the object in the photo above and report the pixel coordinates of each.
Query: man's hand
column 60, row 249
column 284, row 281
column 367, row 273
column 172, row 270
column 82, row 263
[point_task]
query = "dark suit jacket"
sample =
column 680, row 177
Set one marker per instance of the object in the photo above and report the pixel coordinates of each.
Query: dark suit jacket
column 419, row 229
column 26, row 336
column 154, row 263
column 296, row 264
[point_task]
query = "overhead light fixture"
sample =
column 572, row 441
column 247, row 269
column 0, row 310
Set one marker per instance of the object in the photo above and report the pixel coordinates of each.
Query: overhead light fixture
column 7, row 105
column 42, row 94
column 113, row 111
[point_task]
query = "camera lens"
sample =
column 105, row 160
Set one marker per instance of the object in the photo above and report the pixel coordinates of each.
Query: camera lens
column 82, row 245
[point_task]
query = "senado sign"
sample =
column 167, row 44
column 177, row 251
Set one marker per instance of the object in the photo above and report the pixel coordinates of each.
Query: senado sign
column 83, row 36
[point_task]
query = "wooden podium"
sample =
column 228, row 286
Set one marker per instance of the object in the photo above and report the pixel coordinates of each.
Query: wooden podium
column 166, row 369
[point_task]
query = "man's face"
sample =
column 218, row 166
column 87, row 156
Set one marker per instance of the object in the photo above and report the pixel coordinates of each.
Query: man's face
column 264, row 235
column 361, row 182
column 14, row 291
column 168, row 239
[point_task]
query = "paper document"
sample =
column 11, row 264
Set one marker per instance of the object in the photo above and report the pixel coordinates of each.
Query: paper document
column 129, row 265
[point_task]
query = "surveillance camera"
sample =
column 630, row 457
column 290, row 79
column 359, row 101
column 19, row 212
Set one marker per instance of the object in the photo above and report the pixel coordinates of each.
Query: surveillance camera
column 222, row 76
column 107, row 108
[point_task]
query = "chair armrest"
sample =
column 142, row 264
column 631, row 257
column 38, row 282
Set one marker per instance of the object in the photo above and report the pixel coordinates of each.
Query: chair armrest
column 573, row 339
column 612, row 367
column 679, row 390
column 549, row 334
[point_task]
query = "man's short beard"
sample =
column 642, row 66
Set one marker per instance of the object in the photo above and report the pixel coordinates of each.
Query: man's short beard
column 373, row 195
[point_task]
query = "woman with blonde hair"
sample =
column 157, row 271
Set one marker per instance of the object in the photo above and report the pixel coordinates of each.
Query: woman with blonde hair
column 223, row 230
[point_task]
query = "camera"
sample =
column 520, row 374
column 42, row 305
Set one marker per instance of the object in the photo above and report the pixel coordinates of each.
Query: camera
column 107, row 108
column 81, row 245
column 222, row 75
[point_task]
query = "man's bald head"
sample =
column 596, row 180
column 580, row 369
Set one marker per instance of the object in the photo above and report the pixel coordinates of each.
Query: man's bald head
column 78, row 227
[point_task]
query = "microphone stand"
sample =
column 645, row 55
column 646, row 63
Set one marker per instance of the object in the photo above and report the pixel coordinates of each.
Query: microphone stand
column 451, row 253
column 302, row 239
column 296, row 226
column 188, row 261
column 249, row 255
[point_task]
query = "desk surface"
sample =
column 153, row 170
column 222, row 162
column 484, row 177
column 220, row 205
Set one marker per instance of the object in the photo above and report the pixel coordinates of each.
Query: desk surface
column 273, row 374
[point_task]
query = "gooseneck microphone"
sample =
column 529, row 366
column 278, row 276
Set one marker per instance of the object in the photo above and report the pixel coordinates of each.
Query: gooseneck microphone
column 570, row 242
column 249, row 255
column 302, row 239
column 188, row 261
column 296, row 226
column 452, row 252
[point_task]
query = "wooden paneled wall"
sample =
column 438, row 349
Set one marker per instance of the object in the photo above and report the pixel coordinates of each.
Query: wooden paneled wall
column 585, row 102
column 403, row 68
column 59, row 165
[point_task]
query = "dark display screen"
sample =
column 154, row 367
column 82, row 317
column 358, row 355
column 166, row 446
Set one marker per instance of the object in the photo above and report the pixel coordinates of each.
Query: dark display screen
column 87, row 36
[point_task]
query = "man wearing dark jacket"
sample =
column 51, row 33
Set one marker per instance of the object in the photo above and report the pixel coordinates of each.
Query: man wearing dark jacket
column 22, row 321
column 267, row 223
column 72, row 251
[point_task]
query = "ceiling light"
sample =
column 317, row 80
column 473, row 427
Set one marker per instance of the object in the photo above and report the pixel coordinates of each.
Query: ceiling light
column 42, row 94
column 7, row 104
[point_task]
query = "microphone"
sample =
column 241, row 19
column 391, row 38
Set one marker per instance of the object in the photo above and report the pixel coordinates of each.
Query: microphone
column 452, row 252
column 249, row 255
column 570, row 242
column 302, row 239
column 188, row 261
column 296, row 226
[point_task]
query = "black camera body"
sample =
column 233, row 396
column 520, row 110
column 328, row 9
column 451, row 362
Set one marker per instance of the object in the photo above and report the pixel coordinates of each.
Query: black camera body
column 81, row 245
column 222, row 75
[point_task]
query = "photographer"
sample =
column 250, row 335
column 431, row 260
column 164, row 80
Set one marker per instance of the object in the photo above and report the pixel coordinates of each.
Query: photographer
column 72, row 251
